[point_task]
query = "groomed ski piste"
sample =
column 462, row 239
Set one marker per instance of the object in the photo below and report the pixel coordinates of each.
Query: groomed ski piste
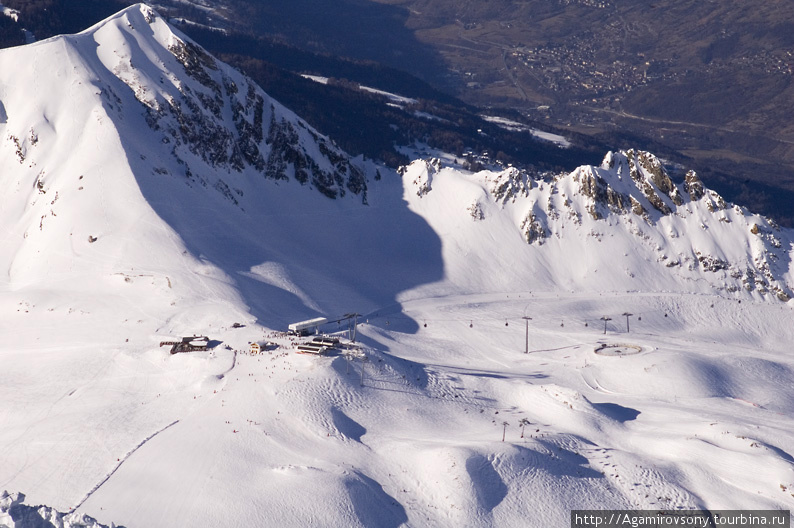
column 701, row 418
column 478, row 393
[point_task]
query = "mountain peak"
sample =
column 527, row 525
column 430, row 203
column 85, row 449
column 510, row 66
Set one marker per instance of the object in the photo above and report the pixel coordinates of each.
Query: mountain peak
column 150, row 113
column 132, row 120
column 128, row 17
column 205, row 115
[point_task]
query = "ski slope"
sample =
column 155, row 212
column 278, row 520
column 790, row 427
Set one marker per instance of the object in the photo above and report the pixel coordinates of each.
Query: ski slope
column 700, row 418
column 121, row 230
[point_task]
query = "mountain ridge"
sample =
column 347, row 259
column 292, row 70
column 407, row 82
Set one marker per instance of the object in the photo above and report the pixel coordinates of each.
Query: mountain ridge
column 678, row 78
column 216, row 130
column 480, row 385
column 683, row 228
column 207, row 160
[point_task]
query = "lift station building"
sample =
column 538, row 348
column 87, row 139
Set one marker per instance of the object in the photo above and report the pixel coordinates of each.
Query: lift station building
column 304, row 327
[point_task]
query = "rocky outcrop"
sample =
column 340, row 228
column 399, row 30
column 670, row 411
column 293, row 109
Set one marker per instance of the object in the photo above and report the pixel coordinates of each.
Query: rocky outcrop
column 693, row 186
column 638, row 160
column 509, row 185
column 15, row 514
column 711, row 263
column 600, row 192
column 659, row 177
column 213, row 113
column 424, row 171
column 532, row 229
column 476, row 212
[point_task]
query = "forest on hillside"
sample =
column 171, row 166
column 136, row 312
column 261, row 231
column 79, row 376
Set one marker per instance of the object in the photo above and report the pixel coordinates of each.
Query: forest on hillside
column 45, row 18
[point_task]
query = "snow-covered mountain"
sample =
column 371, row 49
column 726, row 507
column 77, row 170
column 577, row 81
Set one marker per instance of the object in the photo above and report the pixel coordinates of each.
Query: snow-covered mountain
column 151, row 192
column 150, row 150
column 624, row 225
column 127, row 151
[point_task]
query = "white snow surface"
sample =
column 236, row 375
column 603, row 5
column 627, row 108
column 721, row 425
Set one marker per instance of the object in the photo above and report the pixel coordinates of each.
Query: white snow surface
column 315, row 78
column 510, row 124
column 118, row 233
column 393, row 98
column 10, row 13
column 398, row 99
column 15, row 514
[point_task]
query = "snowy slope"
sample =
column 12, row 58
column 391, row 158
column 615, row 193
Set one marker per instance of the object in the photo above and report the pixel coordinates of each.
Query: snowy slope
column 624, row 225
column 151, row 192
column 172, row 161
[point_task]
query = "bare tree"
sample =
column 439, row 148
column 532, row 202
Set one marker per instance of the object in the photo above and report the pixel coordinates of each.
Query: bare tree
column 504, row 430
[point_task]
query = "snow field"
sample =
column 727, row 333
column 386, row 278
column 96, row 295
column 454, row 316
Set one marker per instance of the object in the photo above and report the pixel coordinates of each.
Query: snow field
column 681, row 424
column 651, row 406
column 95, row 416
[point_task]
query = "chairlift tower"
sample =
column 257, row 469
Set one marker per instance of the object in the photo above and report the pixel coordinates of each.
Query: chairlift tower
column 355, row 326
column 627, row 315
column 526, row 339
column 352, row 324
column 605, row 319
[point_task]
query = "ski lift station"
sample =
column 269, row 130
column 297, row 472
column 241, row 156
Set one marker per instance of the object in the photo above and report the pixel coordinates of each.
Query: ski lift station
column 188, row 344
column 304, row 327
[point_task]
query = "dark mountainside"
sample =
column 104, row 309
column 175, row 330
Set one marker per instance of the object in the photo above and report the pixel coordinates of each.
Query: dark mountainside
column 706, row 85
column 360, row 122
column 708, row 82
column 46, row 18
column 365, row 123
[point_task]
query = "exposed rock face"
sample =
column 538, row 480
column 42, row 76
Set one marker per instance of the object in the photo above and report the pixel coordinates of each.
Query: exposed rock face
column 532, row 229
column 476, row 212
column 215, row 114
column 15, row 514
column 509, row 185
column 659, row 176
column 424, row 171
column 715, row 202
column 600, row 192
column 650, row 178
column 710, row 263
column 644, row 184
column 637, row 208
column 693, row 186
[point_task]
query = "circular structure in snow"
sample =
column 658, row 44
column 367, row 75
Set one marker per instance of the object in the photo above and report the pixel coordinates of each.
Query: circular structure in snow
column 617, row 349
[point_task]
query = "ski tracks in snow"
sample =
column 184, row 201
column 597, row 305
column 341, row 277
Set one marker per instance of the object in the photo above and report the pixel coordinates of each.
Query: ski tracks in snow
column 120, row 462
column 643, row 486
